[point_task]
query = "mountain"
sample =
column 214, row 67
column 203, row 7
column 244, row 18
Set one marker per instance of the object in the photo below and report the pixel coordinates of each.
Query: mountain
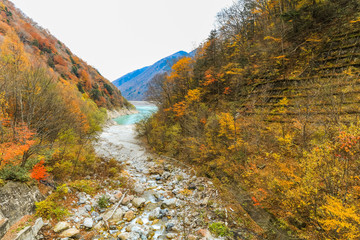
column 269, row 108
column 53, row 55
column 134, row 85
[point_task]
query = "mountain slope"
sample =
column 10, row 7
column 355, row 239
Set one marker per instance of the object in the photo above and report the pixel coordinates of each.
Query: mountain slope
column 270, row 108
column 51, row 53
column 134, row 85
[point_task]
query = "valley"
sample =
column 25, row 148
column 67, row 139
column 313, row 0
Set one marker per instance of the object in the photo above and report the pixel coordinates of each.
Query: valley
column 253, row 135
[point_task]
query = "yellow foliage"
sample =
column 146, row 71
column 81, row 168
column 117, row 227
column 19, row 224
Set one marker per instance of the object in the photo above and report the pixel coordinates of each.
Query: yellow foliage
column 280, row 57
column 193, row 95
column 272, row 38
column 339, row 220
column 13, row 54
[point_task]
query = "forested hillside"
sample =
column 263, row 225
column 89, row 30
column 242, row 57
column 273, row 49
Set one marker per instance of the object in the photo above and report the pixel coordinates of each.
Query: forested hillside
column 52, row 54
column 51, row 104
column 270, row 105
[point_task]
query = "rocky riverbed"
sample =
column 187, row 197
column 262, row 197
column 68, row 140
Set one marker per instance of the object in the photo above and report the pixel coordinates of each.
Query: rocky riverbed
column 165, row 199
column 169, row 201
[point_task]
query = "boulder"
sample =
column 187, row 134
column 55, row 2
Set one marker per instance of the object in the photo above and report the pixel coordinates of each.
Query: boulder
column 171, row 235
column 88, row 223
column 61, row 226
column 87, row 207
column 155, row 214
column 127, row 200
column 118, row 196
column 139, row 189
column 70, row 233
column 124, row 236
column 39, row 223
column 129, row 215
column 118, row 215
column 138, row 202
column 170, row 203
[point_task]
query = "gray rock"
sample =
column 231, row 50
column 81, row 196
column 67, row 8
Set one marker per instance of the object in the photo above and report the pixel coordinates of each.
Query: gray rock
column 118, row 215
column 113, row 231
column 155, row 214
column 17, row 199
column 88, row 222
column 163, row 213
column 169, row 226
column 124, row 236
column 61, row 226
column 171, row 203
column 82, row 200
column 4, row 225
column 113, row 199
column 171, row 235
column 139, row 189
column 98, row 226
column 139, row 202
column 70, row 233
column 87, row 207
column 129, row 215
column 127, row 200
column 25, row 234
column 95, row 214
column 39, row 223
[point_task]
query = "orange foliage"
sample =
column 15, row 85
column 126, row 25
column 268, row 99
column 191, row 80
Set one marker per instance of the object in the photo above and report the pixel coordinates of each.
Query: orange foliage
column 59, row 60
column 209, row 78
column 85, row 77
column 39, row 171
column 179, row 109
column 4, row 28
column 18, row 141
column 227, row 90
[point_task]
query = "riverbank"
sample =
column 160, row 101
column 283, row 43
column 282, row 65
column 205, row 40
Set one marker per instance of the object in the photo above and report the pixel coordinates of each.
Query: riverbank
column 115, row 113
column 145, row 197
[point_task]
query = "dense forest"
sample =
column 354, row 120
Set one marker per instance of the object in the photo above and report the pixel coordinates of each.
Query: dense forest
column 270, row 104
column 51, row 104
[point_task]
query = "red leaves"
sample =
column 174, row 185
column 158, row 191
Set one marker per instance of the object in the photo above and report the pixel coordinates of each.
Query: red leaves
column 256, row 202
column 39, row 171
column 209, row 78
column 227, row 90
column 59, row 60
column 18, row 141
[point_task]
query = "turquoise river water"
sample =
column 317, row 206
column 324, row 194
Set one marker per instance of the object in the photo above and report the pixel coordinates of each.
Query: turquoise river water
column 145, row 109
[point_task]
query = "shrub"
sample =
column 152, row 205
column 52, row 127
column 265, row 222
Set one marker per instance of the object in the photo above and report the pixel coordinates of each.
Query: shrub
column 49, row 209
column 86, row 186
column 39, row 171
column 60, row 192
column 103, row 201
column 219, row 229
column 15, row 173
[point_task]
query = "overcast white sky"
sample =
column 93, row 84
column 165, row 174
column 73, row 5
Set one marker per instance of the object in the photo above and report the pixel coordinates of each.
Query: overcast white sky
column 119, row 36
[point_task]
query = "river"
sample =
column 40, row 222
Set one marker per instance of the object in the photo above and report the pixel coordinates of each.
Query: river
column 145, row 110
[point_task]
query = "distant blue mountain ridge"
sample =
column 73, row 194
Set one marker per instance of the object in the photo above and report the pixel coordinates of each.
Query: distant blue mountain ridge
column 133, row 86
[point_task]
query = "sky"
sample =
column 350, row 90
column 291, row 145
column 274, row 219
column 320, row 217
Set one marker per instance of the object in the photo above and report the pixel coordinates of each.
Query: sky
column 119, row 36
